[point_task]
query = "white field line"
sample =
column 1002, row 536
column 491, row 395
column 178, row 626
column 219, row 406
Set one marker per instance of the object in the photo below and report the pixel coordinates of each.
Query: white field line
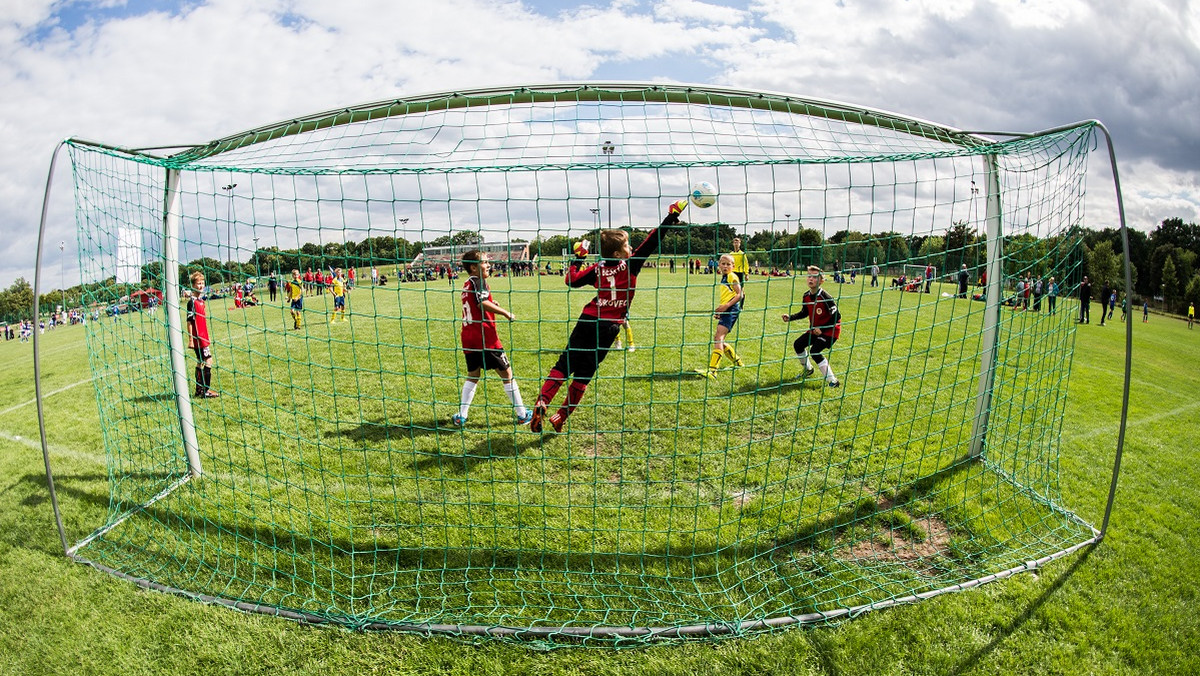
column 85, row 381
column 1135, row 422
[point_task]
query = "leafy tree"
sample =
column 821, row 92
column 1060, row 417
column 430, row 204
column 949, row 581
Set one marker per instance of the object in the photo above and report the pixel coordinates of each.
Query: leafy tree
column 1192, row 293
column 1170, row 283
column 16, row 302
column 1103, row 265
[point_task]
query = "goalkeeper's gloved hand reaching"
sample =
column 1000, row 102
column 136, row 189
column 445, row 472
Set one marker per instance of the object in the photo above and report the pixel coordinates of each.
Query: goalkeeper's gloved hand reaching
column 673, row 212
column 581, row 248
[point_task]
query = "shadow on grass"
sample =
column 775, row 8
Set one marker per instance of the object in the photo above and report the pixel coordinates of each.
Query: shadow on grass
column 92, row 489
column 488, row 450
column 152, row 398
column 1017, row 622
column 867, row 507
column 382, row 431
column 665, row 375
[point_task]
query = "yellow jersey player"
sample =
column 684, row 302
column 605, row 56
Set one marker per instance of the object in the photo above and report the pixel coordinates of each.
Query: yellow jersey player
column 294, row 292
column 339, row 296
column 741, row 266
column 726, row 313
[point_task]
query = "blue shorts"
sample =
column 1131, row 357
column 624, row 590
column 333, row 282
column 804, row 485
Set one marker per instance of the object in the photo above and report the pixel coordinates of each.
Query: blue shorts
column 339, row 302
column 298, row 304
column 728, row 318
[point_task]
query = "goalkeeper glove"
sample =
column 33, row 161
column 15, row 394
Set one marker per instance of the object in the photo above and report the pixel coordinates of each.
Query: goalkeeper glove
column 673, row 212
column 581, row 248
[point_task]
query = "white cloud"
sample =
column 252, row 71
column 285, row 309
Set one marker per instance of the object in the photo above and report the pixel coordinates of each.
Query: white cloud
column 205, row 70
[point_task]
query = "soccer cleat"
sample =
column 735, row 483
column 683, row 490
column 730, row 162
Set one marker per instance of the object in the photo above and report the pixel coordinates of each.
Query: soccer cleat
column 808, row 372
column 211, row 394
column 539, row 412
column 631, row 347
column 457, row 420
column 711, row 374
column 526, row 417
column 739, row 362
column 618, row 345
column 557, row 421
column 833, row 382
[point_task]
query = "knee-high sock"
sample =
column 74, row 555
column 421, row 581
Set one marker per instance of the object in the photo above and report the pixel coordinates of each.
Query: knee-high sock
column 803, row 356
column 514, row 395
column 554, row 380
column 199, row 379
column 826, row 369
column 714, row 360
column 207, row 378
column 468, row 395
column 628, row 333
column 575, row 393
column 730, row 353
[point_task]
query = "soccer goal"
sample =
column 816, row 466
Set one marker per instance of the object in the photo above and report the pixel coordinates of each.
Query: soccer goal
column 327, row 474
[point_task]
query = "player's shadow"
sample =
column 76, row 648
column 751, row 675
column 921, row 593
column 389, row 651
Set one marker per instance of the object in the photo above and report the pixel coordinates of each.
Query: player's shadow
column 665, row 375
column 487, row 450
column 384, row 431
column 782, row 385
column 153, row 398
column 968, row 665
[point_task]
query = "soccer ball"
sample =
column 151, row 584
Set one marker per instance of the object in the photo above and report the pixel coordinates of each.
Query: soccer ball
column 704, row 194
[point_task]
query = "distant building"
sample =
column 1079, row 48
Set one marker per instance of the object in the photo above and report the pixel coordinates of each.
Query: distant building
column 500, row 252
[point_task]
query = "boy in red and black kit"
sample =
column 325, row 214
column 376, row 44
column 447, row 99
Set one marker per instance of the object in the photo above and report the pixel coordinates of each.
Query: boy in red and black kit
column 199, row 338
column 825, row 325
column 615, row 278
column 481, row 344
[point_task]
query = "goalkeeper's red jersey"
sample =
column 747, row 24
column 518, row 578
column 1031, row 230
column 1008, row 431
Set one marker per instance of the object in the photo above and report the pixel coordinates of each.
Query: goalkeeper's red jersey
column 822, row 312
column 478, row 325
column 615, row 280
column 197, row 321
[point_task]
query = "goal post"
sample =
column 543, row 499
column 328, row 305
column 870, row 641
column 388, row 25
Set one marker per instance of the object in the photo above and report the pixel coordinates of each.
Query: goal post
column 359, row 461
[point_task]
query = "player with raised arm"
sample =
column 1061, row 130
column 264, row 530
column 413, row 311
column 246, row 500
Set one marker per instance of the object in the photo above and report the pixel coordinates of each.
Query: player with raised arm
column 615, row 278
column 480, row 342
column 825, row 325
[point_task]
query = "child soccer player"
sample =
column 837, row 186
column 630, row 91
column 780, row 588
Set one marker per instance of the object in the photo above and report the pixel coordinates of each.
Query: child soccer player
column 294, row 292
column 338, row 286
column 726, row 314
column 825, row 325
column 615, row 279
column 481, row 345
column 199, row 338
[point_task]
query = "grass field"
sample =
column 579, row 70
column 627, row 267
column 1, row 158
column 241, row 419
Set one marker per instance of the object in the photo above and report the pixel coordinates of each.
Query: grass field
column 1124, row 607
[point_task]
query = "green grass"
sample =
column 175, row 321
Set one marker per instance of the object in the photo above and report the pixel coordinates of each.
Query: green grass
column 1123, row 607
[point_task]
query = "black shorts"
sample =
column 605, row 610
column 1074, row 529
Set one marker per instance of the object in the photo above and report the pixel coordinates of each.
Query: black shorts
column 813, row 343
column 202, row 353
column 486, row 359
column 589, row 344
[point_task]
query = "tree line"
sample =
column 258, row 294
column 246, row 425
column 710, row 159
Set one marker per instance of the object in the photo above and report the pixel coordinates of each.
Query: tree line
column 1164, row 260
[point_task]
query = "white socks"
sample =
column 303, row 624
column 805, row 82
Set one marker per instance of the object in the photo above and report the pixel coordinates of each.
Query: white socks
column 804, row 362
column 826, row 370
column 514, row 394
column 468, row 394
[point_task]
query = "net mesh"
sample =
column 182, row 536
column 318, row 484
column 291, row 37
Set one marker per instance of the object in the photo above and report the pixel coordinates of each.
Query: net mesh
column 335, row 488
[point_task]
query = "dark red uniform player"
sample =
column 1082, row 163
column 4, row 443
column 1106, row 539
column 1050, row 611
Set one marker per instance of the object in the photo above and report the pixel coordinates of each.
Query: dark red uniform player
column 199, row 338
column 615, row 279
column 825, row 325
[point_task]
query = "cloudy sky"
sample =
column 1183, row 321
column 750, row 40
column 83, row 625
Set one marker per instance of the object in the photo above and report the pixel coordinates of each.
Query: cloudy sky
column 144, row 73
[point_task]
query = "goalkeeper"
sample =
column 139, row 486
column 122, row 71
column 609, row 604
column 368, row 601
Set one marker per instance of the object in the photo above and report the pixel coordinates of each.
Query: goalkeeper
column 825, row 325
column 615, row 278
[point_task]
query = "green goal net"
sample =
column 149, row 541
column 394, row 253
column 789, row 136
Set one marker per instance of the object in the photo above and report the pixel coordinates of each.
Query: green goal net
column 330, row 481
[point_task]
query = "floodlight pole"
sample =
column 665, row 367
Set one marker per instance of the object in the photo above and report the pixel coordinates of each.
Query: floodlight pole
column 608, row 148
column 172, row 227
column 229, row 224
column 991, row 309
